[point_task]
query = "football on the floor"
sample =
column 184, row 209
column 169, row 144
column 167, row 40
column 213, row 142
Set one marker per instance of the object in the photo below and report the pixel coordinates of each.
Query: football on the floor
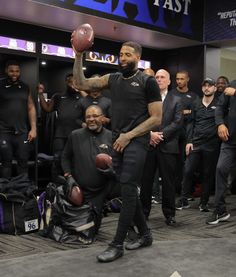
column 103, row 161
column 76, row 196
column 83, row 37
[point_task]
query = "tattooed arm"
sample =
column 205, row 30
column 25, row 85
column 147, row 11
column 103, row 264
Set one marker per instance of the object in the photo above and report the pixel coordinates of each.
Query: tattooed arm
column 90, row 84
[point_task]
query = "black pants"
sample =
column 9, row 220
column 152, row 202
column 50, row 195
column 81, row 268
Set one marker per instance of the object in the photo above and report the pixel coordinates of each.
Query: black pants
column 58, row 146
column 97, row 200
column 208, row 165
column 181, row 161
column 129, row 168
column 14, row 146
column 226, row 162
column 166, row 163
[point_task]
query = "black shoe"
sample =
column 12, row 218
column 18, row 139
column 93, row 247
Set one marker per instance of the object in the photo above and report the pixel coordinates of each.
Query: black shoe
column 143, row 241
column 131, row 234
column 216, row 217
column 204, row 208
column 112, row 253
column 182, row 204
column 171, row 221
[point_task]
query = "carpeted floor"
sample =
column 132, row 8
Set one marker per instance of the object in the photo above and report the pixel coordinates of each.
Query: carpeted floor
column 190, row 249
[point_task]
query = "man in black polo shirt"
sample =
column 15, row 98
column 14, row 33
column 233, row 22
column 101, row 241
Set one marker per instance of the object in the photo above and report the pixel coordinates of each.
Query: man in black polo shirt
column 201, row 147
column 187, row 99
column 136, row 110
column 66, row 106
column 17, row 114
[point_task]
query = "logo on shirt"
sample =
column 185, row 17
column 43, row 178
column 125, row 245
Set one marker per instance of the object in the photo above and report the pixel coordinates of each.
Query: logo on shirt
column 103, row 146
column 189, row 96
column 213, row 107
column 7, row 86
column 135, row 84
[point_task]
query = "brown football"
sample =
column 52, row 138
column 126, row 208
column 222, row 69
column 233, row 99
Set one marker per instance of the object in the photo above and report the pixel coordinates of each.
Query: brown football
column 83, row 37
column 76, row 196
column 103, row 161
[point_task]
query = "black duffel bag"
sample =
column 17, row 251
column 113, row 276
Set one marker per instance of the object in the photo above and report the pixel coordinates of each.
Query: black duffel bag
column 19, row 213
column 19, row 216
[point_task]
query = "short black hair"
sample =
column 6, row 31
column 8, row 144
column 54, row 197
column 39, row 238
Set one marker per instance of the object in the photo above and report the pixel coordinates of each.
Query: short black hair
column 223, row 77
column 12, row 62
column 137, row 47
column 68, row 76
column 185, row 72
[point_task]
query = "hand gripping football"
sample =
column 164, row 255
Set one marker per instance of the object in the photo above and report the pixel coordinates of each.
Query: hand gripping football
column 76, row 196
column 103, row 161
column 82, row 37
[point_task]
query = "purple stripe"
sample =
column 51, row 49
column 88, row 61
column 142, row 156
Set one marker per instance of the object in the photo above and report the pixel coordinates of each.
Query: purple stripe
column 40, row 202
column 2, row 227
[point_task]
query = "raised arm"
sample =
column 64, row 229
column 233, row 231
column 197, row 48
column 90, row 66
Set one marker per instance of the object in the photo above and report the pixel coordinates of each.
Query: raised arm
column 47, row 106
column 87, row 84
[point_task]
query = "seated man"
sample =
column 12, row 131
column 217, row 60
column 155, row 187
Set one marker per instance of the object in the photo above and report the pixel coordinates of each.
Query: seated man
column 78, row 161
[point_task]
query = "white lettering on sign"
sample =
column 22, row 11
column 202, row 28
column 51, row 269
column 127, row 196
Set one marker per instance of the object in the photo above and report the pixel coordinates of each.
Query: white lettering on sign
column 230, row 15
column 175, row 5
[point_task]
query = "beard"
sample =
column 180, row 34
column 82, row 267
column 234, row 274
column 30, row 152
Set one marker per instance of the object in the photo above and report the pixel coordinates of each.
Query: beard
column 128, row 69
column 208, row 95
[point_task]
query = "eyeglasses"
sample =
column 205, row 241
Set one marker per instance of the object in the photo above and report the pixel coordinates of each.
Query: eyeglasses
column 93, row 116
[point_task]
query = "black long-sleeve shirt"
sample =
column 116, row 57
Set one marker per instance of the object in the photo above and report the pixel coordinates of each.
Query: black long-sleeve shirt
column 78, row 158
column 226, row 114
column 201, row 129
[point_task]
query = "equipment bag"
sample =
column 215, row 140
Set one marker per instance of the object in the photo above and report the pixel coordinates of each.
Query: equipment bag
column 18, row 216
column 62, row 221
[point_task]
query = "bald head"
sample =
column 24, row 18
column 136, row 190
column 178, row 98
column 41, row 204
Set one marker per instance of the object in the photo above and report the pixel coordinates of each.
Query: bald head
column 95, row 108
column 163, row 79
column 149, row 71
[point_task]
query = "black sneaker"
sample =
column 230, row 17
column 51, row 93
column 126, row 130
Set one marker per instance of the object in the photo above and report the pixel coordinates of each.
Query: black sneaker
column 191, row 199
column 182, row 204
column 112, row 253
column 143, row 241
column 204, row 208
column 215, row 218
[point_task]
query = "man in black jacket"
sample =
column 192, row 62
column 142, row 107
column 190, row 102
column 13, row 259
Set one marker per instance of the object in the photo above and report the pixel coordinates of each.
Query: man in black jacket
column 164, row 150
column 78, row 160
column 225, row 118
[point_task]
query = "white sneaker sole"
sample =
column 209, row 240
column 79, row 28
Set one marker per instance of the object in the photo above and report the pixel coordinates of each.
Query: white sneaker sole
column 219, row 220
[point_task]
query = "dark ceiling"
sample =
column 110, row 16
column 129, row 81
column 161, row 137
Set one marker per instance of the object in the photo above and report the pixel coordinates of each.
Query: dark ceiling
column 66, row 20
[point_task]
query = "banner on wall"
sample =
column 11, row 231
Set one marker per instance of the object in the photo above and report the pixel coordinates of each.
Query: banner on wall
column 178, row 17
column 220, row 20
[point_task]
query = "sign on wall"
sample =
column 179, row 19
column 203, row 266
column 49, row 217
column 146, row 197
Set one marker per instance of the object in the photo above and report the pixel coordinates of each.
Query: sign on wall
column 178, row 17
column 220, row 20
column 17, row 44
